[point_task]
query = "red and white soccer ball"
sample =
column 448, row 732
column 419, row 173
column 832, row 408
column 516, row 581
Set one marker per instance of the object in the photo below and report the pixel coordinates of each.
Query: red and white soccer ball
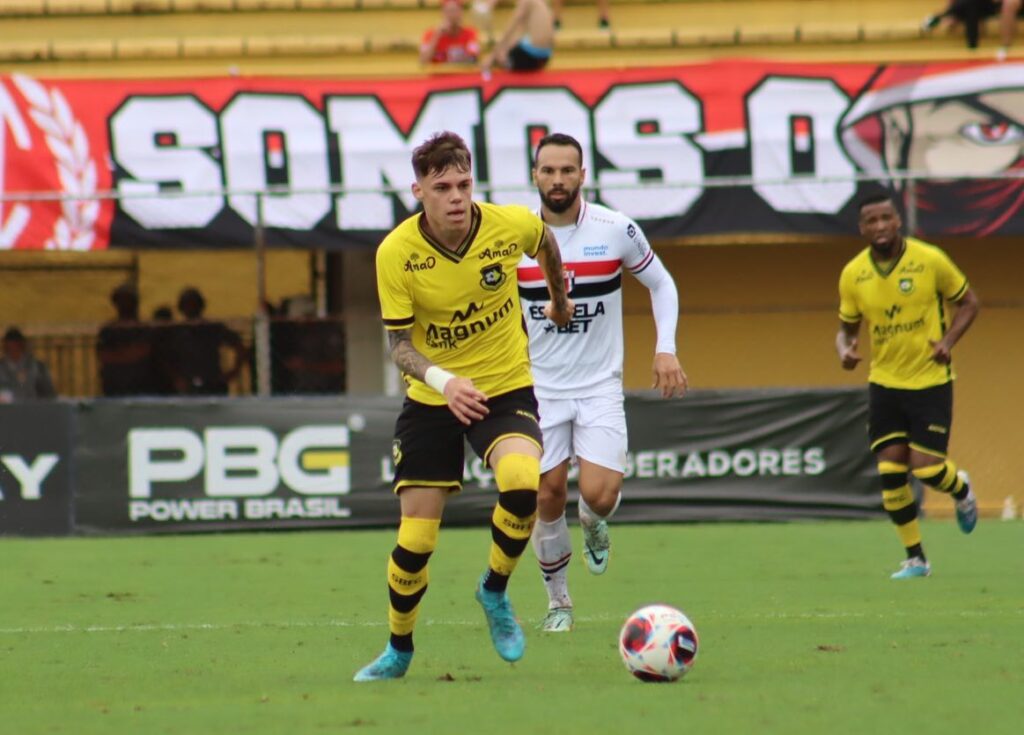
column 658, row 643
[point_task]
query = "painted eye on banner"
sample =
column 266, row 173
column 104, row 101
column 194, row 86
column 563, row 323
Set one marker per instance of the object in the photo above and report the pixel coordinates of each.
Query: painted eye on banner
column 998, row 133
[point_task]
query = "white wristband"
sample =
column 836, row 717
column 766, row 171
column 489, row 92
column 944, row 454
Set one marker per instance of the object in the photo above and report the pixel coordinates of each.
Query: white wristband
column 437, row 378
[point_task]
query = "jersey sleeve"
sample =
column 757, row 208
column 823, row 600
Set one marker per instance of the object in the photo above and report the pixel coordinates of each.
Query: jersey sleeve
column 392, row 289
column 849, row 311
column 634, row 250
column 532, row 228
column 949, row 280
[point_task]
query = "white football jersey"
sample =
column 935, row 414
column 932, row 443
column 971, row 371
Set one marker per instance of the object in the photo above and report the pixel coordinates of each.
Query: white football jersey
column 585, row 356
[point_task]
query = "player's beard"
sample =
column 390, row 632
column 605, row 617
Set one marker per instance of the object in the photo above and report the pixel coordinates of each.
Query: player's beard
column 561, row 206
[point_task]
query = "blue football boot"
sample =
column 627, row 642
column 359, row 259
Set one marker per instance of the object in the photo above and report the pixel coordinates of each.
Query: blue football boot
column 506, row 634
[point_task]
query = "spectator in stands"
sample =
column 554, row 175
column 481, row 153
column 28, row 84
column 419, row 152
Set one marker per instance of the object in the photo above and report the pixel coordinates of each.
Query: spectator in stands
column 450, row 42
column 527, row 42
column 125, row 348
column 972, row 12
column 194, row 349
column 309, row 353
column 23, row 377
column 603, row 13
column 163, row 313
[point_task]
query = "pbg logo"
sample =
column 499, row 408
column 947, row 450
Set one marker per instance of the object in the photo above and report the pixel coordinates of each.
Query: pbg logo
column 240, row 461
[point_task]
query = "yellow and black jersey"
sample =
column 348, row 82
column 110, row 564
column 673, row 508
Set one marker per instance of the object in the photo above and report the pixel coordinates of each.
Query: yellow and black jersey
column 905, row 308
column 462, row 305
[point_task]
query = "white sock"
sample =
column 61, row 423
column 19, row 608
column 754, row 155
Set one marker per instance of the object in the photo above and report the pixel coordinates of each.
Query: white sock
column 553, row 548
column 588, row 516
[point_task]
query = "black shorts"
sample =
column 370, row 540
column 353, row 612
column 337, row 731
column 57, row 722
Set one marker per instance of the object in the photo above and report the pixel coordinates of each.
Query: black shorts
column 921, row 418
column 520, row 59
column 429, row 449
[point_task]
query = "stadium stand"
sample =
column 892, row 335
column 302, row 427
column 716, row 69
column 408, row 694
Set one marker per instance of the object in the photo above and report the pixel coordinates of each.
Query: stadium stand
column 380, row 36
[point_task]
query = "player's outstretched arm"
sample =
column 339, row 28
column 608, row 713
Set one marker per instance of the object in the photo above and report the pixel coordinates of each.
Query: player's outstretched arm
column 967, row 309
column 846, row 344
column 560, row 308
column 464, row 400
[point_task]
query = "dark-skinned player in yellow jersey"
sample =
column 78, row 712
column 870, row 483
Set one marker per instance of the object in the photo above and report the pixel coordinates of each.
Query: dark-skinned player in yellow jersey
column 902, row 287
column 449, row 298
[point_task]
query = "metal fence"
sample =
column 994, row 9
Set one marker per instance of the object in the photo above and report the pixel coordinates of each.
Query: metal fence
column 306, row 357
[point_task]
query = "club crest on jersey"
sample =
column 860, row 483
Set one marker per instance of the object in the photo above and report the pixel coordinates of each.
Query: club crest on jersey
column 492, row 276
column 906, row 286
column 570, row 280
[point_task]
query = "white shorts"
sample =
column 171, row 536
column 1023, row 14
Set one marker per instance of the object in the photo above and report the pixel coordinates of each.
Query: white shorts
column 591, row 428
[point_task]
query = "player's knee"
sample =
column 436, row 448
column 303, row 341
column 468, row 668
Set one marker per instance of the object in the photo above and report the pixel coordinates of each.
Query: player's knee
column 520, row 503
column 551, row 492
column 935, row 474
column 418, row 535
column 897, row 499
column 604, row 501
column 517, row 471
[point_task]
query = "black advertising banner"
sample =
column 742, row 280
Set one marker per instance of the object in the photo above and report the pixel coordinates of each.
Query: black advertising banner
column 768, row 454
column 301, row 463
column 249, row 463
column 802, row 143
column 35, row 469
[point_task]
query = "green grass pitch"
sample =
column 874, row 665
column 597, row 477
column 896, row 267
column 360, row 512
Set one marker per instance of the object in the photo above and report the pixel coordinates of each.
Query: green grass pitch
column 801, row 631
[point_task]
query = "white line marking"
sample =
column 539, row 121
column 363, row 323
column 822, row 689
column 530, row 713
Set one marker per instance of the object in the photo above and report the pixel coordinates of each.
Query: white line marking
column 298, row 624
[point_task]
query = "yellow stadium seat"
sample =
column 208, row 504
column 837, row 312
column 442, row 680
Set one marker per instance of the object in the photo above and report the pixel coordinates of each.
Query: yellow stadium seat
column 148, row 48
column 24, row 51
column 877, row 30
column 82, row 49
column 202, row 47
column 392, row 44
column 828, row 32
column 328, row 4
column 22, row 7
column 267, row 4
column 766, row 34
column 583, row 38
column 696, row 37
column 315, row 45
column 642, row 38
column 76, row 7
column 191, row 6
column 269, row 46
column 139, row 6
column 351, row 45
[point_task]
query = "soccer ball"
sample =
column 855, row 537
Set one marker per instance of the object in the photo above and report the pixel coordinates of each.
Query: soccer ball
column 658, row 643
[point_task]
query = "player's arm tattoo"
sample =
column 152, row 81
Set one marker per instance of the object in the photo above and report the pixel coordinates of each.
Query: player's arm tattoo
column 408, row 359
column 550, row 260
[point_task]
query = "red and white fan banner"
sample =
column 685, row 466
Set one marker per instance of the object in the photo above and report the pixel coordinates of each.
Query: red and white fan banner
column 724, row 147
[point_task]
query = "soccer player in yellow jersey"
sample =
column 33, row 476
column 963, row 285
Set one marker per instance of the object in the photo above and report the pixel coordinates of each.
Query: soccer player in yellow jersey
column 450, row 302
column 902, row 286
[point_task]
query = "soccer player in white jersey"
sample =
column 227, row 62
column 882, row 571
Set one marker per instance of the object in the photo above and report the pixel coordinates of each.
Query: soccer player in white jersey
column 577, row 368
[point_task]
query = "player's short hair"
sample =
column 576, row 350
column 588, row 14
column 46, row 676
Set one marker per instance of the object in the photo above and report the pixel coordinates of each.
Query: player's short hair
column 558, row 139
column 441, row 152
column 876, row 199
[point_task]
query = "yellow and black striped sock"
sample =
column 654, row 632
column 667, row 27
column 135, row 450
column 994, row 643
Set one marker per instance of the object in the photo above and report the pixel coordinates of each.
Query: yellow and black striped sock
column 944, row 478
column 898, row 501
column 517, row 476
column 408, row 576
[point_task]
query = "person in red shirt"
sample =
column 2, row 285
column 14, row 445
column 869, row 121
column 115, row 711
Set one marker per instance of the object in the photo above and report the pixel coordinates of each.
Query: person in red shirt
column 450, row 42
